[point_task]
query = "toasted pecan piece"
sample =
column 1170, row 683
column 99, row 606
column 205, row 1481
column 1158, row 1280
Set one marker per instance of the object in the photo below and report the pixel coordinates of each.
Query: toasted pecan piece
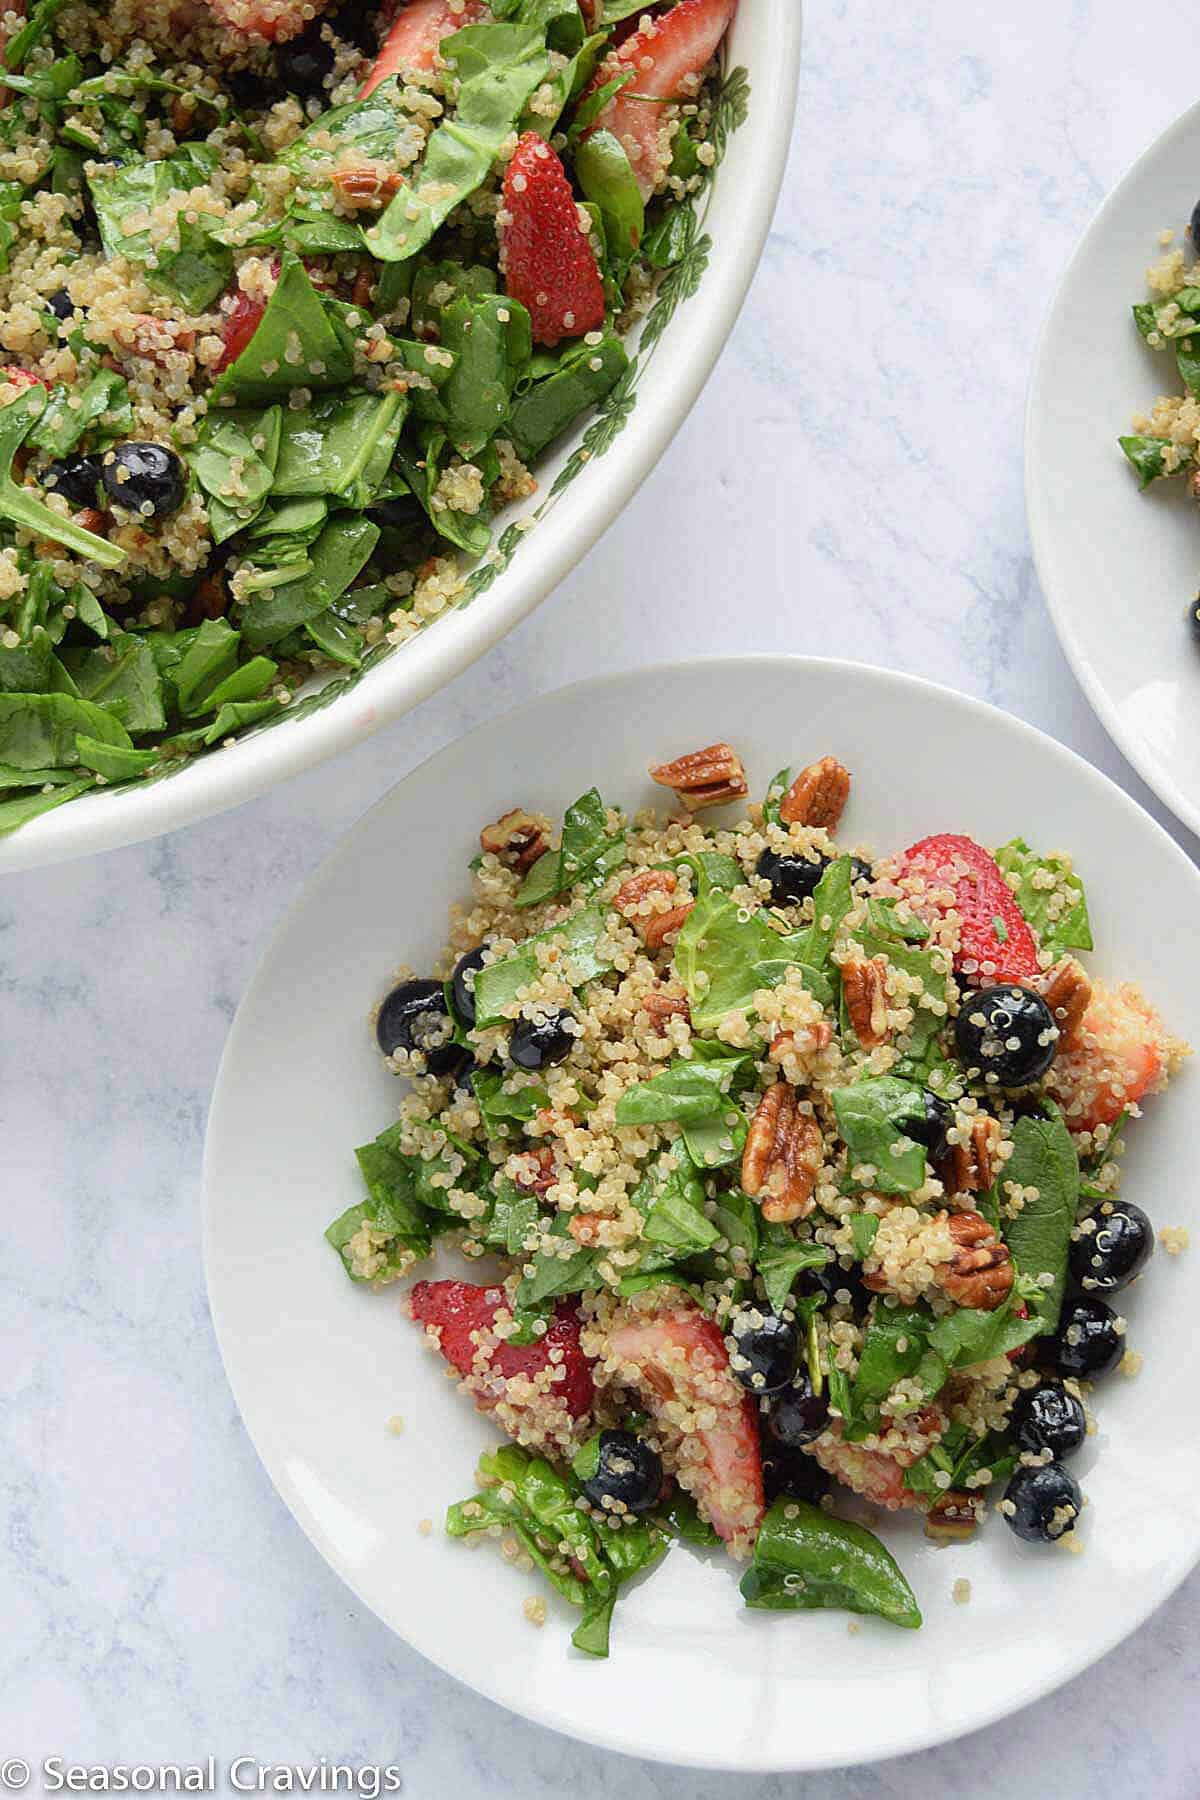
column 1068, row 993
column 980, row 1274
column 707, row 777
column 782, row 1157
column 818, row 795
column 972, row 1167
column 366, row 186
column 864, row 986
column 585, row 1228
column 658, row 929
column 517, row 838
column 952, row 1518
column 661, row 1007
column 646, row 881
column 543, row 1174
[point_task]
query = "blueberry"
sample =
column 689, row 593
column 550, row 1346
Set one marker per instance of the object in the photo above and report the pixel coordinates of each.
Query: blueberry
column 139, row 476
column 629, row 1474
column 462, row 991
column 305, row 63
column 765, row 1353
column 357, row 24
column 792, row 1473
column 792, row 878
column 1046, row 1502
column 1194, row 227
column 414, row 1017
column 798, row 1415
column 60, row 304
column 1116, row 1252
column 1193, row 617
column 832, row 1279
column 860, row 871
column 251, row 90
column 931, row 1128
column 1088, row 1342
column 535, row 1043
column 1007, row 1033
column 1048, row 1418
column 76, row 478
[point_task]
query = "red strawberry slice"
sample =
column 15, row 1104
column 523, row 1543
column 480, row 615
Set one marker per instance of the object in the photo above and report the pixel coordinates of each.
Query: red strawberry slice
column 242, row 314
column 666, row 60
column 21, row 377
column 677, row 1361
column 416, row 32
column 995, row 943
column 500, row 1373
column 548, row 262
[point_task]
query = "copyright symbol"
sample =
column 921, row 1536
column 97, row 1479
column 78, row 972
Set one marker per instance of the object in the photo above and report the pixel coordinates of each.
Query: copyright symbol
column 14, row 1774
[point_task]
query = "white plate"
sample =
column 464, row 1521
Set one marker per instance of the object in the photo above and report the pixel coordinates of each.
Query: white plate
column 1118, row 567
column 318, row 1366
column 735, row 215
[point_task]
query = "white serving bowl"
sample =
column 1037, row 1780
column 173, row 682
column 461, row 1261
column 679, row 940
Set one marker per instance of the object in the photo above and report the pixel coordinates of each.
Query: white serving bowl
column 737, row 208
column 318, row 1366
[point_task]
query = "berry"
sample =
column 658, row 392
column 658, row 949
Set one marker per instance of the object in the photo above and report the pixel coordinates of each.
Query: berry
column 76, row 478
column 461, row 1312
column 252, row 90
column 994, row 932
column 414, row 1017
column 306, row 63
column 798, row 1415
column 537, row 1043
column 764, row 1353
column 61, row 305
column 832, row 1280
column 1116, row 1252
column 676, row 1357
column 1124, row 1052
column 1049, row 1418
column 1046, row 1502
column 416, row 33
column 792, row 1473
column 146, row 479
column 1088, row 1342
column 462, row 991
column 549, row 264
column 792, row 878
column 629, row 1474
column 240, row 321
column 664, row 61
column 1192, row 617
column 1007, row 1034
column 931, row 1128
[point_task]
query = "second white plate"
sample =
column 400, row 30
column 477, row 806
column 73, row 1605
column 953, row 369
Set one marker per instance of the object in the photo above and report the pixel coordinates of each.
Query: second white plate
column 1118, row 568
column 319, row 1366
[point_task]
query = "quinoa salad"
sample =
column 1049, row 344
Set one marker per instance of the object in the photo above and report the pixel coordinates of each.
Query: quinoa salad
column 793, row 1173
column 293, row 296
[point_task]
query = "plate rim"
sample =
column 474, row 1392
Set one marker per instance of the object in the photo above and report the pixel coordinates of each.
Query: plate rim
column 611, row 1736
column 1127, row 740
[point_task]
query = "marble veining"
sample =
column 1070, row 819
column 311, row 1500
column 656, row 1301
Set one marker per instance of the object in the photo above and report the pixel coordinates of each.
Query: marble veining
column 849, row 484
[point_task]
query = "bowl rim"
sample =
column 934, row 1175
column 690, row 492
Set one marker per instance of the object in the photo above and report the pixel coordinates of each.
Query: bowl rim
column 428, row 662
column 1129, row 741
column 611, row 1736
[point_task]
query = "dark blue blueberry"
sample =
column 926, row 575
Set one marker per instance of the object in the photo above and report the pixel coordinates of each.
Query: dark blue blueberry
column 1048, row 1418
column 1045, row 1503
column 931, row 1128
column 764, row 1356
column 1088, row 1342
column 791, row 1473
column 1116, row 1252
column 1193, row 617
column 462, row 991
column 61, row 304
column 76, row 478
column 251, row 90
column 798, row 1415
column 306, row 63
column 628, row 1473
column 1007, row 1033
column 137, row 475
column 536, row 1043
column 414, row 1017
column 792, row 878
column 831, row 1279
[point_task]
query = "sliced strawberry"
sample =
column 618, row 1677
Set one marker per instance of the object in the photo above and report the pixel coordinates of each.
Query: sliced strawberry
column 995, row 943
column 416, row 32
column 1121, row 1052
column 531, row 1386
column 676, row 1359
column 241, row 316
column 273, row 21
column 666, row 60
column 548, row 262
column 21, row 377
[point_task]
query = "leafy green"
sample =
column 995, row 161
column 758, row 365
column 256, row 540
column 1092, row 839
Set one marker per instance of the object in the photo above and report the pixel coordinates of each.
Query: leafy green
column 580, row 377
column 294, row 345
column 20, row 506
column 779, row 1265
column 604, row 172
column 340, row 445
column 690, row 1090
column 1146, row 455
column 39, row 731
column 672, row 1206
column 584, row 845
column 871, row 1117
column 234, row 464
column 200, row 268
column 121, row 676
column 338, row 556
column 1068, row 926
column 500, row 1109
column 23, row 808
column 577, row 942
column 1039, row 1235
column 723, row 959
column 104, row 399
column 804, row 1560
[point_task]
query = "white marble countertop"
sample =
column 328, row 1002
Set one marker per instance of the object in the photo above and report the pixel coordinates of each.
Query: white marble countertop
column 860, row 445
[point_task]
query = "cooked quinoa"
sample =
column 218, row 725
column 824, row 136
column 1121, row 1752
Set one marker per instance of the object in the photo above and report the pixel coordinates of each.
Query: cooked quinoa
column 293, row 297
column 790, row 1169
column 1166, row 439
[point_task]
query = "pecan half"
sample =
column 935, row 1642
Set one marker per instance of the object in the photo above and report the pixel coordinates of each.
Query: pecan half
column 707, row 777
column 971, row 1167
column 364, row 284
column 368, row 185
column 542, row 1175
column 585, row 1228
column 952, row 1518
column 980, row 1273
column 646, row 881
column 661, row 1007
column 658, row 929
column 517, row 838
column 817, row 796
column 1068, row 993
column 782, row 1156
column 864, row 986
